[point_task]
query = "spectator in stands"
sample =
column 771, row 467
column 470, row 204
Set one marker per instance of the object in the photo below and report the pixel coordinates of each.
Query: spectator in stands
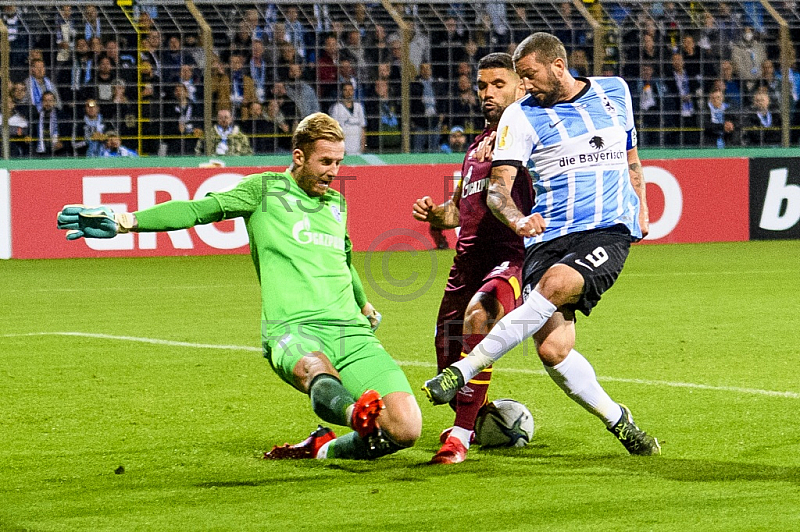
column 579, row 63
column 384, row 71
column 87, row 134
column 17, row 128
column 79, row 77
column 18, row 40
column 151, row 51
column 104, row 78
column 350, row 115
column 227, row 138
column 91, row 26
column 426, row 114
column 37, row 84
column 347, row 74
column 192, row 46
column 456, row 141
column 730, row 27
column 519, row 23
column 248, row 29
column 301, row 93
column 747, row 56
column 181, row 119
column 572, row 29
column 762, row 127
column 709, row 36
column 720, row 125
column 419, row 48
column 65, row 32
column 288, row 107
column 447, row 48
column 733, row 85
column 295, row 31
column 287, row 55
column 277, row 124
column 194, row 89
column 697, row 65
column 220, row 85
column 19, row 95
column 357, row 55
column 258, row 129
column 151, row 97
column 495, row 18
column 683, row 91
column 383, row 118
column 120, row 113
column 96, row 46
column 649, row 96
column 114, row 147
column 770, row 81
column 172, row 59
column 124, row 64
column 376, row 47
column 259, row 70
column 465, row 110
column 243, row 89
column 46, row 128
column 327, row 70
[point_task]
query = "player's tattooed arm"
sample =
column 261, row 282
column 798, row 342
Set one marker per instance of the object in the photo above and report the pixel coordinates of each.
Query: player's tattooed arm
column 502, row 204
column 639, row 186
column 499, row 197
column 444, row 216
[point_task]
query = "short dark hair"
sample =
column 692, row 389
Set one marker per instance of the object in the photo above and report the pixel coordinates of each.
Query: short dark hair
column 496, row 60
column 546, row 46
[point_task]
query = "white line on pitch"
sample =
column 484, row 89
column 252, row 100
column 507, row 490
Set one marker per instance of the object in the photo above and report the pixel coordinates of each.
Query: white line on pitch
column 411, row 363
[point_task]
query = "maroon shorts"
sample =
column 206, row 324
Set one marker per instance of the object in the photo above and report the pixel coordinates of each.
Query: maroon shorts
column 502, row 281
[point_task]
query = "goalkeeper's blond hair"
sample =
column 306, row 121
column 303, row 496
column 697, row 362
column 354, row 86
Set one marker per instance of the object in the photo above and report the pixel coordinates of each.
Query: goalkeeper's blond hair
column 314, row 127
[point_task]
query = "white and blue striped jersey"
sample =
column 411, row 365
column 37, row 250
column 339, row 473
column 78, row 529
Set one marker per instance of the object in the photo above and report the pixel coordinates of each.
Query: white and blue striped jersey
column 576, row 152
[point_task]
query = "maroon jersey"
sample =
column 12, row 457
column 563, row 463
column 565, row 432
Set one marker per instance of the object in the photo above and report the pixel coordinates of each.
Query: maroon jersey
column 482, row 235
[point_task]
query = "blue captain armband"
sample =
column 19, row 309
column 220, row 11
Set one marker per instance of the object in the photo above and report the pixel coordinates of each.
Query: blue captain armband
column 632, row 141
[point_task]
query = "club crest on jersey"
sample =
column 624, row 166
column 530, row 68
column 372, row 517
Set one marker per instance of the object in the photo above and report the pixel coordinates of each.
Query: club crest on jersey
column 505, row 139
column 610, row 109
column 337, row 214
column 597, row 143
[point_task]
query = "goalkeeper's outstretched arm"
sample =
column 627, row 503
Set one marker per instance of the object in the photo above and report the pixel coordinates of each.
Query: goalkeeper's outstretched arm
column 101, row 222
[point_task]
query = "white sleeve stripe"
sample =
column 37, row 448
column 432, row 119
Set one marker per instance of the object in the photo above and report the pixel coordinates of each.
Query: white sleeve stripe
column 570, row 214
column 598, row 198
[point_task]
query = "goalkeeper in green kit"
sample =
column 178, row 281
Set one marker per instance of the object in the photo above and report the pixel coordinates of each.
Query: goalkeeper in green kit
column 317, row 330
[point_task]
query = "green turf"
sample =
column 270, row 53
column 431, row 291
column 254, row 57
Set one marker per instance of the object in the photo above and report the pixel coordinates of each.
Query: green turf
column 101, row 433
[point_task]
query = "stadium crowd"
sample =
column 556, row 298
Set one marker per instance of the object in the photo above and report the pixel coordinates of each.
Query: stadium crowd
column 701, row 74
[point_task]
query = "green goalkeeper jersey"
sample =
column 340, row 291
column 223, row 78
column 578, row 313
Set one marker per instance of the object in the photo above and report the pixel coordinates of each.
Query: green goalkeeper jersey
column 299, row 245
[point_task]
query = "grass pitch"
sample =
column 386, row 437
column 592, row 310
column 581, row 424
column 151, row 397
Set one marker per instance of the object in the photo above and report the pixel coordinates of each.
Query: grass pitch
column 134, row 397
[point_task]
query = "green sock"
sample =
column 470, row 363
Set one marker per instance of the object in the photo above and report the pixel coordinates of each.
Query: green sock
column 350, row 446
column 329, row 399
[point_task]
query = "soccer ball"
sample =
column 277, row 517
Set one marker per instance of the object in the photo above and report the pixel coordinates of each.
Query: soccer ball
column 504, row 423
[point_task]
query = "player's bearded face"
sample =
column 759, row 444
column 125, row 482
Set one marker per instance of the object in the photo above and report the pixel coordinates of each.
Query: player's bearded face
column 497, row 89
column 315, row 170
column 540, row 81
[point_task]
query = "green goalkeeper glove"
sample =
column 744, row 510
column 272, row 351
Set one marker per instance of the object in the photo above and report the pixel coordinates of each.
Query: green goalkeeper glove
column 94, row 222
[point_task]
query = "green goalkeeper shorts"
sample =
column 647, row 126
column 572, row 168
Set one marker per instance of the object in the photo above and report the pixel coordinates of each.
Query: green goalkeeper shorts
column 362, row 362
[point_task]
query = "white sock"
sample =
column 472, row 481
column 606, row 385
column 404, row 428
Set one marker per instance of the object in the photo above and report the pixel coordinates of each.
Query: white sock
column 462, row 434
column 322, row 454
column 508, row 333
column 576, row 376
